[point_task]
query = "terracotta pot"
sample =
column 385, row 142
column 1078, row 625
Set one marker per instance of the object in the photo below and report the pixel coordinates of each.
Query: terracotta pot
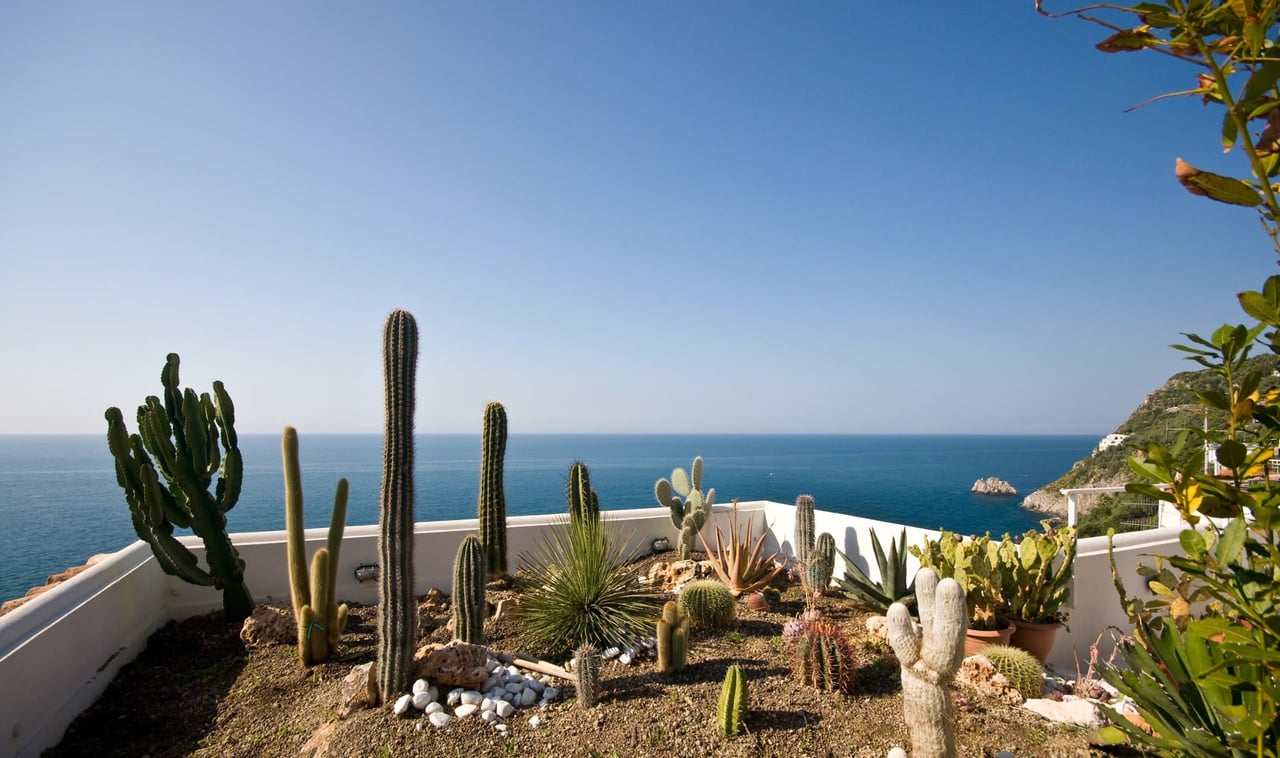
column 1034, row 638
column 976, row 639
column 756, row 601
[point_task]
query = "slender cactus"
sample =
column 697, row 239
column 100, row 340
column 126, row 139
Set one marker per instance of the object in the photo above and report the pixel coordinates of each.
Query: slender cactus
column 673, row 636
column 586, row 667
column 822, row 562
column 320, row 618
column 584, row 503
column 397, row 613
column 804, row 529
column 732, row 711
column 183, row 435
column 492, row 507
column 929, row 659
column 468, row 592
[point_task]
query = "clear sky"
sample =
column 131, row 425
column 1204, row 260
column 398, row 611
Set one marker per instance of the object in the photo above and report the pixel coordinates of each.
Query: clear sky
column 612, row 216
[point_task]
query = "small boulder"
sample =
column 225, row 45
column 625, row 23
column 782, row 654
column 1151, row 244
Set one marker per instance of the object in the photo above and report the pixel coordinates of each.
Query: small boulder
column 979, row 676
column 457, row 664
column 994, row 485
column 269, row 625
column 1074, row 711
column 359, row 689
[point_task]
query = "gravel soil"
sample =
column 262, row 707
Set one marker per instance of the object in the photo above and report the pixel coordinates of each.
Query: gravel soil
column 196, row 691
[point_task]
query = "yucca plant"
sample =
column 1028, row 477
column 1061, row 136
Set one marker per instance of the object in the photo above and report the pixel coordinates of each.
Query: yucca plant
column 893, row 586
column 578, row 589
column 739, row 563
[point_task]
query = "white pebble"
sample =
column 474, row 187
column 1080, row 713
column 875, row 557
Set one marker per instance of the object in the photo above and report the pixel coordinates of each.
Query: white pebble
column 625, row 659
column 455, row 696
column 488, row 716
column 610, row 653
column 897, row 752
column 504, row 709
column 545, row 679
column 402, row 705
column 512, row 670
column 534, row 722
column 463, row 711
column 486, row 704
column 421, row 686
column 422, row 700
column 419, row 725
column 471, row 697
column 501, row 728
column 528, row 697
column 551, row 693
column 440, row 718
column 433, row 707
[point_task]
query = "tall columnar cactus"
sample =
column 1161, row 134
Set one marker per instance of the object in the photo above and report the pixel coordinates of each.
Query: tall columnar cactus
column 821, row 564
column 732, row 711
column 492, row 506
column 320, row 618
column 468, row 592
column 586, row 667
column 804, row 529
column 689, row 508
column 673, row 639
column 930, row 658
column 183, row 434
column 397, row 613
column 584, row 503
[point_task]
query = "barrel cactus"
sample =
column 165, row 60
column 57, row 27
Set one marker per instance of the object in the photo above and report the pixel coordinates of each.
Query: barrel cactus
column 821, row 564
column 1021, row 668
column 468, row 592
column 708, row 603
column 492, row 506
column 823, row 656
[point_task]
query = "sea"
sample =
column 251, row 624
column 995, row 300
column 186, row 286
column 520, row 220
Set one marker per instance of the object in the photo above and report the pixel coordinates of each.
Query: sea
column 60, row 503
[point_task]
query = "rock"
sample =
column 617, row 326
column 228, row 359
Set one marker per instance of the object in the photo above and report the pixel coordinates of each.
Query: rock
column 977, row 673
column 1065, row 711
column 506, row 608
column 897, row 752
column 551, row 693
column 994, row 486
column 318, row 745
column 440, row 719
column 464, row 710
column 435, row 603
column 403, row 705
column 422, row 699
column 488, row 716
column 457, row 664
column 671, row 575
column 528, row 698
column 269, row 625
column 433, row 707
column 359, row 689
column 420, row 686
column 51, row 582
column 504, row 709
column 534, row 722
column 471, row 697
column 878, row 627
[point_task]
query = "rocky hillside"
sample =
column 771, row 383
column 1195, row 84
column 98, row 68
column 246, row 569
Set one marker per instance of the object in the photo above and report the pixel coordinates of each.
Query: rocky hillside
column 1161, row 416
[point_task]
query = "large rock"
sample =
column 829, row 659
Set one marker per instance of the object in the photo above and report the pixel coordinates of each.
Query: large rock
column 1068, row 711
column 993, row 485
column 670, row 575
column 458, row 664
column 53, row 581
column 980, row 677
column 269, row 625
column 359, row 689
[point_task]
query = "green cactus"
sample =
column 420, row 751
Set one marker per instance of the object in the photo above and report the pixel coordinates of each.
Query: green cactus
column 673, row 639
column 708, row 603
column 468, row 592
column 1021, row 668
column 183, row 434
column 824, row 657
column 977, row 564
column 586, row 667
column 929, row 658
column 320, row 618
column 397, row 612
column 584, row 503
column 689, row 508
column 732, row 711
column 821, row 565
column 804, row 533
column 492, row 507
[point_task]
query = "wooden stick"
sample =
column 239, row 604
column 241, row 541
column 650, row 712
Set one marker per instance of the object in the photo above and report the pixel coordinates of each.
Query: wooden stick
column 535, row 664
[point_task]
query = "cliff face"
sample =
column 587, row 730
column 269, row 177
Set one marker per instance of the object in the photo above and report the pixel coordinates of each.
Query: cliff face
column 1160, row 417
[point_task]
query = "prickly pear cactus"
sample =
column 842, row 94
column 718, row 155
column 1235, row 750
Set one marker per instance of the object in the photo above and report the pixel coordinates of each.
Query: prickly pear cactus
column 690, row 508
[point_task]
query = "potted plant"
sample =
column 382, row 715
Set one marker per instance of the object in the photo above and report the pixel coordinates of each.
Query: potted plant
column 1037, row 583
column 976, row 563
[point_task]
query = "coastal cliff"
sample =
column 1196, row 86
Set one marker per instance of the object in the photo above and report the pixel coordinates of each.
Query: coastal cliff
column 1160, row 417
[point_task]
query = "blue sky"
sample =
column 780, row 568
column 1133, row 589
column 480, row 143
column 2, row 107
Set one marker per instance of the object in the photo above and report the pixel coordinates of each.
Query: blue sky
column 613, row 217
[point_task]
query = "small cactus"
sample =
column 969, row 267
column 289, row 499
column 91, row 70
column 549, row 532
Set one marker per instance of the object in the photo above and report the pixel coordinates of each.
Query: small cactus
column 708, row 603
column 468, row 592
column 673, row 639
column 586, row 667
column 804, row 535
column 1021, row 668
column 584, row 503
column 824, row 657
column 929, row 659
column 732, row 711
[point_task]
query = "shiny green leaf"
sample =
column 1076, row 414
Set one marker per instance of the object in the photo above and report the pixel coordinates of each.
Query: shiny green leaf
column 1192, row 542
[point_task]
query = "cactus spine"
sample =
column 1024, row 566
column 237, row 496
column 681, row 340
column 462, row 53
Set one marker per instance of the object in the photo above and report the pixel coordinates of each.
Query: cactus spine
column 732, row 711
column 584, row 503
column 824, row 657
column 397, row 612
column 492, row 510
column 804, row 529
column 673, row 639
column 930, row 659
column 822, row 563
column 689, row 508
column 586, row 667
column 183, row 435
column 708, row 603
column 468, row 592
column 320, row 618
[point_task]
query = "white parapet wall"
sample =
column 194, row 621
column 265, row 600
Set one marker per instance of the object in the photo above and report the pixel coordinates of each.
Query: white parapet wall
column 59, row 651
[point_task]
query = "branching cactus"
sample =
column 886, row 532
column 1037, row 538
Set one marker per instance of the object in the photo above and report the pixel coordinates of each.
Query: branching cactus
column 397, row 612
column 468, row 592
column 584, row 503
column 732, row 711
column 673, row 639
column 930, row 658
column 183, row 434
column 804, row 536
column 492, row 508
column 320, row 618
column 586, row 667
column 689, row 508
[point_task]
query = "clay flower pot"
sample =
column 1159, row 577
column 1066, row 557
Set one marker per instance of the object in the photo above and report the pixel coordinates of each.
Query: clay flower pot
column 1034, row 638
column 756, row 601
column 976, row 639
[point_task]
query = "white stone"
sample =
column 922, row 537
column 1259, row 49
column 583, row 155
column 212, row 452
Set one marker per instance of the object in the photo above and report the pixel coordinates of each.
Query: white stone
column 440, row 718
column 455, row 696
column 534, row 722
column 471, row 697
column 610, row 653
column 897, row 752
column 504, row 709
column 528, row 698
column 421, row 686
column 1080, row 712
column 433, row 707
column 545, row 679
column 512, row 670
column 488, row 716
column 492, row 664
column 402, row 705
column 501, row 728
column 486, row 704
column 534, row 685
column 551, row 693
column 422, row 700
column 625, row 659
column 463, row 711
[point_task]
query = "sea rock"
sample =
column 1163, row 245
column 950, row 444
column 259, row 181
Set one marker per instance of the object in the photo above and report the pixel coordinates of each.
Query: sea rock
column 994, row 486
column 1068, row 711
column 359, row 689
column 978, row 675
column 53, row 581
column 269, row 625
column 457, row 664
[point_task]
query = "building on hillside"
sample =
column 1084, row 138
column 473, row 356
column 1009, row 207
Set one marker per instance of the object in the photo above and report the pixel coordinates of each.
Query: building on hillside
column 1112, row 440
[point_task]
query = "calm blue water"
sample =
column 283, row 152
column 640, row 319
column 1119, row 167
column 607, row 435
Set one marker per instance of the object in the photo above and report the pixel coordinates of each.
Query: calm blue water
column 59, row 501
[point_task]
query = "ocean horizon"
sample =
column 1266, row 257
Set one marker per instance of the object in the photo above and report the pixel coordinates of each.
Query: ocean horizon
column 60, row 503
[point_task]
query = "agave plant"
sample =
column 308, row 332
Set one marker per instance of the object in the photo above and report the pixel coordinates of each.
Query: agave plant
column 739, row 563
column 893, row 586
column 580, row 590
